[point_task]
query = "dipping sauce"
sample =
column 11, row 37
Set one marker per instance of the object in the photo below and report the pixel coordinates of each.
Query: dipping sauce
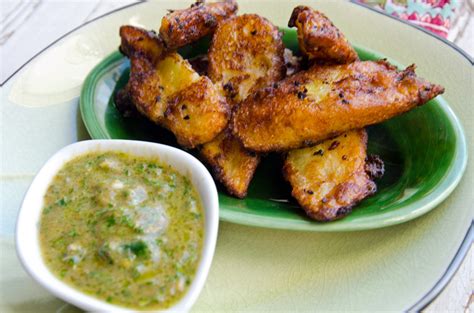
column 122, row 228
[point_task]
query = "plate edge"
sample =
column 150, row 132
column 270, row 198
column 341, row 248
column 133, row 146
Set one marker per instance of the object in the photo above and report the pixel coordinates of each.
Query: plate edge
column 444, row 280
column 448, row 274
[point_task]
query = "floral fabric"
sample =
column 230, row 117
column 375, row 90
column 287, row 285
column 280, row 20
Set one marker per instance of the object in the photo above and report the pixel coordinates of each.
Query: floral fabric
column 434, row 15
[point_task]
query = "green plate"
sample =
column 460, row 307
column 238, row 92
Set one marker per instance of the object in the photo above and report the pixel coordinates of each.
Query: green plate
column 424, row 153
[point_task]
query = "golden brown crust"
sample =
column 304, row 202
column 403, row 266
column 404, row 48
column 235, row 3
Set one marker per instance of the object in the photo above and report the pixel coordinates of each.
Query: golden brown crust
column 143, row 86
column 329, row 179
column 165, row 82
column 182, row 27
column 230, row 163
column 144, row 49
column 139, row 42
column 196, row 114
column 324, row 101
column 246, row 54
column 152, row 84
column 319, row 39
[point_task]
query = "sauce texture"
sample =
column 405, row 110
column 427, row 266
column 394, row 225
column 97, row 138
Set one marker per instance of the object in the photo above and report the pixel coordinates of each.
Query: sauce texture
column 122, row 228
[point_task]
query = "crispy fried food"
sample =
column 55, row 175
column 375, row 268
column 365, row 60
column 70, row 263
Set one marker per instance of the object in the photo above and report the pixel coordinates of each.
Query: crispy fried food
column 182, row 27
column 230, row 163
column 319, row 39
column 144, row 49
column 166, row 83
column 152, row 84
column 148, row 64
column 138, row 42
column 330, row 178
column 327, row 180
column 143, row 89
column 193, row 114
column 246, row 54
column 324, row 101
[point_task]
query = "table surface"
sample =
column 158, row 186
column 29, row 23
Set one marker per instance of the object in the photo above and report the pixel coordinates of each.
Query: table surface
column 27, row 27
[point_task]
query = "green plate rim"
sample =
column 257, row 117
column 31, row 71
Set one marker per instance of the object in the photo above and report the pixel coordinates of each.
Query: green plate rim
column 406, row 213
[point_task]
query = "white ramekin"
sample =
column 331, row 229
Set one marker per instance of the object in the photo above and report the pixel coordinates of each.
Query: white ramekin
column 27, row 239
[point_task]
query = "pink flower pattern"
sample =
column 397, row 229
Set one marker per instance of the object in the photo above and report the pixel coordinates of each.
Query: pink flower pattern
column 424, row 13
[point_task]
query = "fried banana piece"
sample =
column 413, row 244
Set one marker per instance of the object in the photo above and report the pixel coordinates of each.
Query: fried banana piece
column 319, row 39
column 144, row 49
column 139, row 42
column 166, row 83
column 151, row 85
column 182, row 27
column 196, row 114
column 230, row 163
column 246, row 54
column 143, row 88
column 330, row 178
column 175, row 96
column 325, row 101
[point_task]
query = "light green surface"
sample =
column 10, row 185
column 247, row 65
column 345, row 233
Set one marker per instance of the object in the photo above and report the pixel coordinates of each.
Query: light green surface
column 257, row 269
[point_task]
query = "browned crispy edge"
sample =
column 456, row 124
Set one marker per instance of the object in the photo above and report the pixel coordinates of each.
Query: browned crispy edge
column 426, row 92
column 219, row 174
column 182, row 27
column 323, row 43
column 373, row 168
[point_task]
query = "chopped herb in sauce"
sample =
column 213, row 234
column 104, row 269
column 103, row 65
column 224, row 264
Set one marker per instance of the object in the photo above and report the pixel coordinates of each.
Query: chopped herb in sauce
column 125, row 229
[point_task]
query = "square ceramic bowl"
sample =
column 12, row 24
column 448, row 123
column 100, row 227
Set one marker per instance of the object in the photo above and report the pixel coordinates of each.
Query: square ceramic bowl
column 27, row 229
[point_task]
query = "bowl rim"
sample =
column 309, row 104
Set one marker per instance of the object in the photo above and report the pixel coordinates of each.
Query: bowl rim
column 27, row 247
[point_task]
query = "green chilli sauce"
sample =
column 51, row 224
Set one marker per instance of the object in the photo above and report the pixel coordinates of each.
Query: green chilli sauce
column 124, row 229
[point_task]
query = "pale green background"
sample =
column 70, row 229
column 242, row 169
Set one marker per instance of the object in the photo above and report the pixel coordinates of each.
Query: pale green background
column 253, row 269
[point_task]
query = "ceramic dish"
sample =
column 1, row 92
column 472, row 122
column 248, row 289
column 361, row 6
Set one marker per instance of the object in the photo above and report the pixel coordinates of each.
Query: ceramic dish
column 398, row 268
column 27, row 233
column 424, row 153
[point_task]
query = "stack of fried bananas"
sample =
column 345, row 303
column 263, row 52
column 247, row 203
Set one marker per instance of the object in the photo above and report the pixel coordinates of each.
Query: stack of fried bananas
column 254, row 97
